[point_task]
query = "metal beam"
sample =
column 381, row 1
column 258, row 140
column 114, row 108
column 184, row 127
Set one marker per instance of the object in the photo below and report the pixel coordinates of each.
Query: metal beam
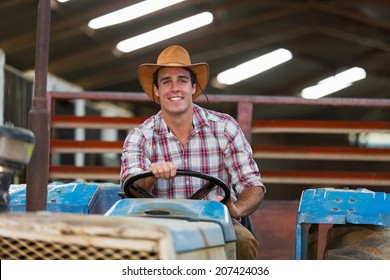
column 38, row 168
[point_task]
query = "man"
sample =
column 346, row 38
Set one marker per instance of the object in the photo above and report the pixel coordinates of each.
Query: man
column 184, row 135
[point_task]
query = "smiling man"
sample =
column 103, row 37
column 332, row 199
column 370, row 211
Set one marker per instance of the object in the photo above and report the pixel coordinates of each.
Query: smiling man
column 184, row 135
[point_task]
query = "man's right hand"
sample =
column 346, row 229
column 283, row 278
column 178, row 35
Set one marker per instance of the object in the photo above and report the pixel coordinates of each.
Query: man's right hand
column 163, row 169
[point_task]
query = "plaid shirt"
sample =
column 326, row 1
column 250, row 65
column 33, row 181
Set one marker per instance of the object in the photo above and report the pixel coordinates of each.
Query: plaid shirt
column 215, row 146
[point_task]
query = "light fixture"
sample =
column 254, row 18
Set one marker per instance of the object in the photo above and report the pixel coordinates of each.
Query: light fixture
column 62, row 1
column 334, row 83
column 131, row 12
column 253, row 67
column 165, row 32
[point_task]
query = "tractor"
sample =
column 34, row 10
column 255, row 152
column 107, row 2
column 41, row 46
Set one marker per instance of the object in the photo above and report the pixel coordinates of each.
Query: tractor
column 99, row 221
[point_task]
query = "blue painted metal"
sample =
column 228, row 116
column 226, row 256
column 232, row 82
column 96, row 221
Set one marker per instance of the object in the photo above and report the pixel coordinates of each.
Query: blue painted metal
column 337, row 206
column 106, row 196
column 67, row 198
column 76, row 198
column 184, row 209
column 340, row 206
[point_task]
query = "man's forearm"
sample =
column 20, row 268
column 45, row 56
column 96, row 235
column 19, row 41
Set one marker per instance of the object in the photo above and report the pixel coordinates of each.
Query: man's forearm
column 248, row 201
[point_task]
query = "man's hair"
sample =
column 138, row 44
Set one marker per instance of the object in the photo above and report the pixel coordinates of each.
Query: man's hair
column 192, row 76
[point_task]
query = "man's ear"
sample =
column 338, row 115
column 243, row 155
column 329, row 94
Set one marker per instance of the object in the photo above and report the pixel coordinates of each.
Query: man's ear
column 194, row 88
column 155, row 91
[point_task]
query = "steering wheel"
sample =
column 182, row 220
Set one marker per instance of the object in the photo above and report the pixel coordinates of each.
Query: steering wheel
column 201, row 193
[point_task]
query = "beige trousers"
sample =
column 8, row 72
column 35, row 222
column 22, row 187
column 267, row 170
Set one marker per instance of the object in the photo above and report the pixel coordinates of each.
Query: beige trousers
column 246, row 244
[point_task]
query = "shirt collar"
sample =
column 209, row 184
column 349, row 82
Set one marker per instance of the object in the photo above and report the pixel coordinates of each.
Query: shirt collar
column 199, row 117
column 199, row 120
column 161, row 127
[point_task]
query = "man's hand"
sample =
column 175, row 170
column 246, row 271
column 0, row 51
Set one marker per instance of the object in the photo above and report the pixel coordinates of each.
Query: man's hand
column 164, row 169
column 160, row 170
column 246, row 204
column 233, row 210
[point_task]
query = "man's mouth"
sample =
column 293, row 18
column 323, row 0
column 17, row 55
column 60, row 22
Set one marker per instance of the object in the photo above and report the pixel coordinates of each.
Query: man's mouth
column 175, row 98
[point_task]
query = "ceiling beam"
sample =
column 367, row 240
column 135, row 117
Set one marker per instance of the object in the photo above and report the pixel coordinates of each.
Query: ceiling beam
column 364, row 3
column 331, row 9
column 12, row 3
column 354, row 38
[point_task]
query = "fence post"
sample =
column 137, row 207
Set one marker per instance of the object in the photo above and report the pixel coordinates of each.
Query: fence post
column 244, row 118
column 38, row 169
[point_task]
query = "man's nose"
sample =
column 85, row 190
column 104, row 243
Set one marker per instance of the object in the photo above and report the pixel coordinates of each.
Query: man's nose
column 175, row 86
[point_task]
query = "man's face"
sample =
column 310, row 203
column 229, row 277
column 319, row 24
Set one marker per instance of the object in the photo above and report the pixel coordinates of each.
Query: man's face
column 174, row 89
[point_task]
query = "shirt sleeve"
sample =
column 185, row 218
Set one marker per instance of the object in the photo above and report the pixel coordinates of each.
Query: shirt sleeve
column 134, row 154
column 239, row 162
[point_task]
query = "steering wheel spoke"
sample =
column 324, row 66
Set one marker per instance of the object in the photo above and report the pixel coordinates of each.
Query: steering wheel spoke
column 141, row 192
column 202, row 192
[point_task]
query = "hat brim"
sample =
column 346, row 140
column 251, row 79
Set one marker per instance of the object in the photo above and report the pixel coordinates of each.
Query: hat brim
column 146, row 71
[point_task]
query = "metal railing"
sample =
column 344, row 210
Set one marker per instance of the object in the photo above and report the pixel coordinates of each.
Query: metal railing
column 281, row 173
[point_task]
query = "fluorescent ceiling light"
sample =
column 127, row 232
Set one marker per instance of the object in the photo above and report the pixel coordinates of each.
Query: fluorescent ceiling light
column 334, row 83
column 131, row 12
column 165, row 32
column 62, row 1
column 254, row 67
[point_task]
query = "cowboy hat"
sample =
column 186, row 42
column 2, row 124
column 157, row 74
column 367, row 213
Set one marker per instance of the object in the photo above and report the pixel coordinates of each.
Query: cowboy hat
column 173, row 56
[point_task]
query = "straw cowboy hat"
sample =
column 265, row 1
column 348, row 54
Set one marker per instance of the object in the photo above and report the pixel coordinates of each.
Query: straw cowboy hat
column 173, row 56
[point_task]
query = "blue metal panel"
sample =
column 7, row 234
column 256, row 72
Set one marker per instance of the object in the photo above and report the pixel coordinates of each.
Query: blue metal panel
column 106, row 196
column 191, row 210
column 67, row 198
column 337, row 206
column 340, row 206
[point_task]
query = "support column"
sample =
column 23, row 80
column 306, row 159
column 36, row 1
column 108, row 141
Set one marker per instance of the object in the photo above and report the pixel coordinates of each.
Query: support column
column 38, row 169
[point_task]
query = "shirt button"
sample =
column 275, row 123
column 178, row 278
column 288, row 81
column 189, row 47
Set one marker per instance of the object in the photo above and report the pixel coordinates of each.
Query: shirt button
column 187, row 182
